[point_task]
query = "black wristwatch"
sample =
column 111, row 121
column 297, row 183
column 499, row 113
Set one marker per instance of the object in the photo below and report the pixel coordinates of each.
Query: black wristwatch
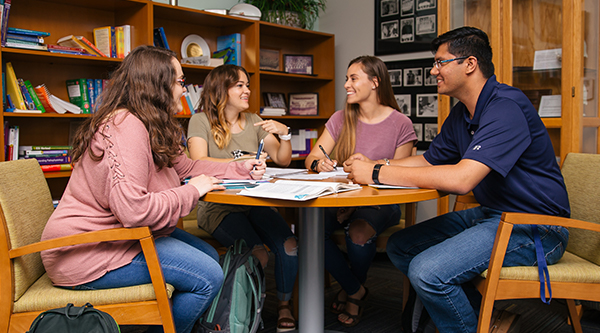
column 313, row 165
column 375, row 176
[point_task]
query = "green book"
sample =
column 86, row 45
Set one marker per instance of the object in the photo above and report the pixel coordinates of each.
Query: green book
column 77, row 89
column 34, row 96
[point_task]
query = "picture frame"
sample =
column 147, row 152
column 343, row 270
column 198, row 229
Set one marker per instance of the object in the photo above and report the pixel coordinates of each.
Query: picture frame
column 430, row 132
column 395, row 77
column 275, row 100
column 404, row 26
column 298, row 64
column 304, row 104
column 427, row 105
column 270, row 60
column 418, row 131
column 404, row 104
column 413, row 77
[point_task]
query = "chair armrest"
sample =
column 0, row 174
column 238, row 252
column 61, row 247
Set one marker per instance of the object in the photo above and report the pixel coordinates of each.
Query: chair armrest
column 115, row 234
column 525, row 218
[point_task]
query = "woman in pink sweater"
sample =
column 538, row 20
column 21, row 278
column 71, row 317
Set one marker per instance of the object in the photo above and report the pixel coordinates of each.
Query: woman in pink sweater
column 128, row 168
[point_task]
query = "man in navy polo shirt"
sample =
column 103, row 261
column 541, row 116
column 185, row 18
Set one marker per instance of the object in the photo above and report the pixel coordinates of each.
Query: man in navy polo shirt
column 494, row 144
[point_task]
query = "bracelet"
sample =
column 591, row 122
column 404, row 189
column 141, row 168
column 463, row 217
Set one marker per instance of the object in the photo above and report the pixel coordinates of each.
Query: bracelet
column 313, row 165
column 286, row 137
column 387, row 162
column 375, row 175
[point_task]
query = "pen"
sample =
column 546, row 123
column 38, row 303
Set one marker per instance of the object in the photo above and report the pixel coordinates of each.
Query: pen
column 260, row 148
column 329, row 158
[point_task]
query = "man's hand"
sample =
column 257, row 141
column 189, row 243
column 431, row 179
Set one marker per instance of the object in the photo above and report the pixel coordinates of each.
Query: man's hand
column 360, row 172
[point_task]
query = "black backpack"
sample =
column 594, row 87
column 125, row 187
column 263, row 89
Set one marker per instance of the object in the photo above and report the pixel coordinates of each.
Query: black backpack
column 74, row 319
column 238, row 305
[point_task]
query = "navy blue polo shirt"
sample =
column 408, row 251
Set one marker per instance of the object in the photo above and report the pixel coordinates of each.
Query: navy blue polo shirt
column 506, row 134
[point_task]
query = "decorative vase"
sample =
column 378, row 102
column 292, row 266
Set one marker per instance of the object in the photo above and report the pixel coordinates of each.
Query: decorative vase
column 286, row 17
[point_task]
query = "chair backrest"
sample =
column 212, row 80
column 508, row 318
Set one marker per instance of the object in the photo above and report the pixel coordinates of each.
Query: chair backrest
column 582, row 178
column 25, row 206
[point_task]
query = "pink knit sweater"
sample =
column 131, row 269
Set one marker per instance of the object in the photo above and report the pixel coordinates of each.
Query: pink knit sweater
column 124, row 189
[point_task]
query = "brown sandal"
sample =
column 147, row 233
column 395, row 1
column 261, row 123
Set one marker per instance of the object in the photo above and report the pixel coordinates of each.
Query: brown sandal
column 281, row 321
column 361, row 306
column 337, row 302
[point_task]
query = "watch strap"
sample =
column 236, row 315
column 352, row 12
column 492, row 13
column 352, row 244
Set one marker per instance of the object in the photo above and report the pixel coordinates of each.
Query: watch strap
column 313, row 165
column 375, row 175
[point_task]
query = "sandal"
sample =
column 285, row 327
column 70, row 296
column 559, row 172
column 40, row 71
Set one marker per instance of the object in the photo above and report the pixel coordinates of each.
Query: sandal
column 337, row 302
column 361, row 306
column 281, row 321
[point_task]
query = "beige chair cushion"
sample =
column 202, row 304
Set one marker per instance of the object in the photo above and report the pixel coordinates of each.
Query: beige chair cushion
column 570, row 268
column 43, row 295
column 582, row 178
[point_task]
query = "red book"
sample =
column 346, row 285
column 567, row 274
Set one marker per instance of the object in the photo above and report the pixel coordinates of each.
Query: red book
column 66, row 48
column 56, row 167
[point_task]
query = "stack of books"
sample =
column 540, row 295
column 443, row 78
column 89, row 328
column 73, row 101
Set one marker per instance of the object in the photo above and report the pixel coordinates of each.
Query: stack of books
column 191, row 99
column 80, row 42
column 303, row 141
column 50, row 158
column 272, row 111
column 85, row 93
column 25, row 39
column 114, row 42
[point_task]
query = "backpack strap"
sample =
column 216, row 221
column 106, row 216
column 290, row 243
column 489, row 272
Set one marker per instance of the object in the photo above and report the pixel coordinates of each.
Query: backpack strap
column 542, row 266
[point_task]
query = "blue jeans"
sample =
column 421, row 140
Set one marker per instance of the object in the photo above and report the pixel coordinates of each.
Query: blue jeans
column 263, row 225
column 442, row 255
column 188, row 264
column 360, row 257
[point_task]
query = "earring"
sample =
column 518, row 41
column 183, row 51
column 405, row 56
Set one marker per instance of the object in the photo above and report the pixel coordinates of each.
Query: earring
column 373, row 87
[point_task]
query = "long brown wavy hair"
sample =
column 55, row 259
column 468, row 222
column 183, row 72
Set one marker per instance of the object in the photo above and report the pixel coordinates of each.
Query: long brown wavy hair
column 142, row 84
column 375, row 69
column 214, row 98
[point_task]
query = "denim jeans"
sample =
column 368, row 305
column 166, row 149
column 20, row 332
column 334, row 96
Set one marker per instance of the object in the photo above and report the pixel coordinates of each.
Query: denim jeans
column 263, row 225
column 188, row 264
column 442, row 255
column 360, row 257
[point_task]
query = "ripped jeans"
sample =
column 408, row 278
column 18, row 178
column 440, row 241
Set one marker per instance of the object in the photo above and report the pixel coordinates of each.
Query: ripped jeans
column 352, row 276
column 263, row 225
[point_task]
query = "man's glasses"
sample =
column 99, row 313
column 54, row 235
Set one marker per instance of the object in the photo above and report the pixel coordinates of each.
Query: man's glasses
column 181, row 81
column 438, row 63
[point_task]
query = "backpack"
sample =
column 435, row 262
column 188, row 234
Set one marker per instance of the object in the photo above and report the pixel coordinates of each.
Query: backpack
column 238, row 305
column 415, row 318
column 74, row 319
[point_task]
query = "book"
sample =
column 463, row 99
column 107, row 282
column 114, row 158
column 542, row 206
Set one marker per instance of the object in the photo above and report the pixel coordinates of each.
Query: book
column 36, row 152
column 120, row 40
column 15, row 110
column 4, row 28
column 271, row 111
column 65, row 48
column 234, row 42
column 56, row 167
column 26, row 38
column 297, row 190
column 77, row 91
column 27, row 31
column 36, row 100
column 13, row 143
column 54, row 104
column 160, row 39
column 47, row 147
column 104, row 39
column 126, row 39
column 13, row 89
column 25, row 45
column 80, row 42
column 26, row 96
column 99, row 89
column 45, row 160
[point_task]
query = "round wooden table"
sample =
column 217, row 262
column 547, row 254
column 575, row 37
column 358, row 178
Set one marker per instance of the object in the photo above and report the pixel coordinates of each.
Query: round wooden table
column 311, row 232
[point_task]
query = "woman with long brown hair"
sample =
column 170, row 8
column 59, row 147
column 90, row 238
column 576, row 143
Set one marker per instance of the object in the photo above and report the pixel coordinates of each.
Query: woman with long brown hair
column 370, row 125
column 128, row 169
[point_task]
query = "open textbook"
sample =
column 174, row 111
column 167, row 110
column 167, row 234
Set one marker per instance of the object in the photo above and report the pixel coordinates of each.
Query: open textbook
column 297, row 190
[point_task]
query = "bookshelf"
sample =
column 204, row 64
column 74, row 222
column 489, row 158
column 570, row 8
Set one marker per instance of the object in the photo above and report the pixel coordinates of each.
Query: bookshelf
column 75, row 17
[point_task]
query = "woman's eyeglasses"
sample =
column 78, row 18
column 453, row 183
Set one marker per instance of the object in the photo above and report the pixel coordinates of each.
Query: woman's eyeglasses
column 438, row 63
column 181, row 81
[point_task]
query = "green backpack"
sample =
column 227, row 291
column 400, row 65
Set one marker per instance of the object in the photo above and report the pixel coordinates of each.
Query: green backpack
column 74, row 319
column 238, row 305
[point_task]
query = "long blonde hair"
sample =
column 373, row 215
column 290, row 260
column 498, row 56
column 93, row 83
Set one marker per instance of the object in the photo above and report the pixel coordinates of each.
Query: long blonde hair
column 375, row 69
column 214, row 98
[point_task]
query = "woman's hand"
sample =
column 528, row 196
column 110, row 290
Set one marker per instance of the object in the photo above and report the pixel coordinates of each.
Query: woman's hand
column 256, row 168
column 326, row 165
column 205, row 184
column 273, row 127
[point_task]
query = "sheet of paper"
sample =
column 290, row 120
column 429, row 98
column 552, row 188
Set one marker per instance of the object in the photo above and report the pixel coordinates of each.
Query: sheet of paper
column 547, row 59
column 339, row 171
column 550, row 106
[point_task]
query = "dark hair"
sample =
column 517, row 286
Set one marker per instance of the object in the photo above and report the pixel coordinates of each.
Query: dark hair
column 142, row 84
column 214, row 98
column 375, row 69
column 468, row 41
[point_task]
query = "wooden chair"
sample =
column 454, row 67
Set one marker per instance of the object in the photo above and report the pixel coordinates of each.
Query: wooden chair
column 25, row 206
column 577, row 275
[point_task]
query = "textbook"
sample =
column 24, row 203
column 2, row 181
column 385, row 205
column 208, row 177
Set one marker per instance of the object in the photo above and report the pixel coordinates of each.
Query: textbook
column 297, row 190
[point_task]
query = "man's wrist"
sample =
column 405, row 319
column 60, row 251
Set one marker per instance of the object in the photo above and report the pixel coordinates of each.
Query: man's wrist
column 375, row 174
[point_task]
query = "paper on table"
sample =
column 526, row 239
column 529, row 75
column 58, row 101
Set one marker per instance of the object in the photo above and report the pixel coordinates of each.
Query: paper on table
column 297, row 190
column 339, row 171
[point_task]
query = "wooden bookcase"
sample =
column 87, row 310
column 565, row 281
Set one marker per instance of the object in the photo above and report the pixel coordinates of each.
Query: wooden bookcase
column 66, row 17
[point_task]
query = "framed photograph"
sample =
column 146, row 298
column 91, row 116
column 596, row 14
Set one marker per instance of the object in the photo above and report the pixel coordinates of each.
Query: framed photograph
column 275, row 100
column 430, row 80
column 270, row 60
column 404, row 26
column 389, row 7
column 427, row 105
column 430, row 132
column 396, row 77
column 413, row 77
column 588, row 88
column 418, row 131
column 298, row 64
column 403, row 103
column 304, row 104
